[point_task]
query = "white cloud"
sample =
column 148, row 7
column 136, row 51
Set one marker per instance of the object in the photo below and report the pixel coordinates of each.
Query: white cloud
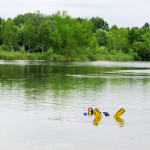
column 119, row 12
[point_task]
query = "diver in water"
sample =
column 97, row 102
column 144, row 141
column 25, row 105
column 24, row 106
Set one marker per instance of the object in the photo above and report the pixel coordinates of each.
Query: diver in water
column 90, row 112
column 98, row 115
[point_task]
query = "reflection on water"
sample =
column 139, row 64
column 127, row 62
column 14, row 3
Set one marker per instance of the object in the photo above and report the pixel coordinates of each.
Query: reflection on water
column 42, row 104
column 120, row 121
column 96, row 121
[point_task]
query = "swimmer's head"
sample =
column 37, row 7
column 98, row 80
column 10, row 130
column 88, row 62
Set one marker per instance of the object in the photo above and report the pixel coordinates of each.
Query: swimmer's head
column 90, row 111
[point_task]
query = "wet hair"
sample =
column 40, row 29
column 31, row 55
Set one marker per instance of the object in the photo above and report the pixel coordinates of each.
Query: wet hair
column 91, row 108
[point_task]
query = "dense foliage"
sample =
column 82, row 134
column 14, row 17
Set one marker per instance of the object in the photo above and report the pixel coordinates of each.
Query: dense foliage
column 60, row 34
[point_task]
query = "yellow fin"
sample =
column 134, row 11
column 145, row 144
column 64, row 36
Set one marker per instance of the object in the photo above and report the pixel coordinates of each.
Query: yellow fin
column 96, row 120
column 97, row 113
column 119, row 112
column 118, row 119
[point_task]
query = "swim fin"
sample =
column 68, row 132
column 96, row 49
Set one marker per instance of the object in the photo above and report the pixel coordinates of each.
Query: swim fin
column 97, row 113
column 119, row 112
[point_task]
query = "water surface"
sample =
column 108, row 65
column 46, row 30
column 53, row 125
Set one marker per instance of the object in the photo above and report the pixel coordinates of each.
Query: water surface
column 42, row 105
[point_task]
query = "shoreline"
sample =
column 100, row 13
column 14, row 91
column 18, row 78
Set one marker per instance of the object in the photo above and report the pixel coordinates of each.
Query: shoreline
column 57, row 57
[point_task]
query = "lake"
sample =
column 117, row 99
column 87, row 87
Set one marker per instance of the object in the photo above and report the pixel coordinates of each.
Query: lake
column 42, row 105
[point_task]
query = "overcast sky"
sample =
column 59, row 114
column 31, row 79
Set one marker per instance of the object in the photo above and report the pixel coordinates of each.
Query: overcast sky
column 123, row 13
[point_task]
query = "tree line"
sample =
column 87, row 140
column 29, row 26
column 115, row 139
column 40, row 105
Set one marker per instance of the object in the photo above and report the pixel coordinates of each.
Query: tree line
column 62, row 34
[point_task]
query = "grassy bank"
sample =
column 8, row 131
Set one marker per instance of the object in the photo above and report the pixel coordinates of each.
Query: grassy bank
column 46, row 56
column 80, row 54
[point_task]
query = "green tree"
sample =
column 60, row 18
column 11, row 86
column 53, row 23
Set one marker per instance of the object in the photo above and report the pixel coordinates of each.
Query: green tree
column 20, row 36
column 101, row 36
column 85, row 36
column 146, row 25
column 0, row 30
column 19, row 20
column 9, row 33
column 71, row 33
column 56, row 41
column 99, row 23
column 37, row 18
column 134, row 35
column 142, row 50
column 143, row 47
column 79, row 19
column 64, row 30
column 114, row 27
column 29, row 34
column 44, row 35
column 118, row 39
column 1, row 20
column 94, row 43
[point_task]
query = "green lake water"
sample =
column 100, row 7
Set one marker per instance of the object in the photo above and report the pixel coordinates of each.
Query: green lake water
column 42, row 105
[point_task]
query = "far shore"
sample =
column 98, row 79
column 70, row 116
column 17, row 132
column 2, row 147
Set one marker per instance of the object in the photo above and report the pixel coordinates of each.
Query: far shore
column 45, row 56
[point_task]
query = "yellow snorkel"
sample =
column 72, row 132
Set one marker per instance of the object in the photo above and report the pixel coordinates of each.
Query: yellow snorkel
column 89, row 113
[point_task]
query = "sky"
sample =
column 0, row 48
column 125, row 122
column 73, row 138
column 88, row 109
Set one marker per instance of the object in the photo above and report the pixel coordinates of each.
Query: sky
column 123, row 13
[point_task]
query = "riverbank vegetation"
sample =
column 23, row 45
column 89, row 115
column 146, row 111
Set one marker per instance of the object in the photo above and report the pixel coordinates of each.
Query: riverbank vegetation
column 62, row 37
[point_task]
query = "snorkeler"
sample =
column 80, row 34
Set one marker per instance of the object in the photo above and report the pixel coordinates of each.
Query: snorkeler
column 98, row 115
column 97, row 112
